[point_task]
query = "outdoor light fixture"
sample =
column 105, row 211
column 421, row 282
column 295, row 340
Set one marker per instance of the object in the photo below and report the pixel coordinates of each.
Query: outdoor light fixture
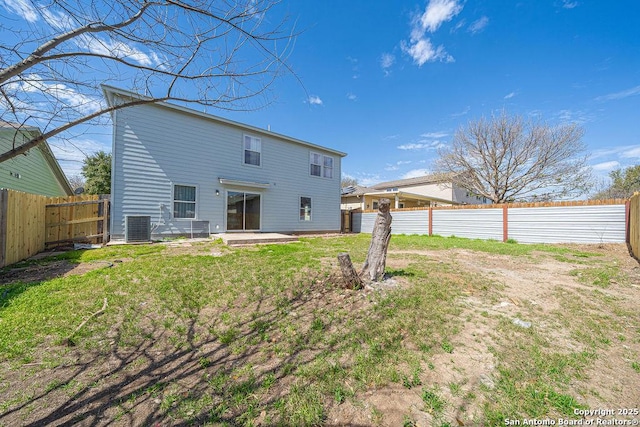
column 217, row 192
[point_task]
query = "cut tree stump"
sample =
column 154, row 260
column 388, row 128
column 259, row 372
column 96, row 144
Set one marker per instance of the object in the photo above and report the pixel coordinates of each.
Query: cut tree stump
column 373, row 269
column 350, row 277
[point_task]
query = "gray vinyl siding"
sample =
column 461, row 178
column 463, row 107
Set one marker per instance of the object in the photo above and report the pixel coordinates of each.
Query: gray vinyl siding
column 155, row 147
column 568, row 224
column 33, row 169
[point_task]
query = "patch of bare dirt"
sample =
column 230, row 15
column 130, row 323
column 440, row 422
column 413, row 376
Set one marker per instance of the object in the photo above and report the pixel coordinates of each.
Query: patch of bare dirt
column 49, row 270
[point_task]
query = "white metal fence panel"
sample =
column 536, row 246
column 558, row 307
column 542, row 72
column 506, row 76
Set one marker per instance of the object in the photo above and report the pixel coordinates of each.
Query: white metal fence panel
column 470, row 223
column 568, row 224
column 410, row 222
column 363, row 222
column 404, row 222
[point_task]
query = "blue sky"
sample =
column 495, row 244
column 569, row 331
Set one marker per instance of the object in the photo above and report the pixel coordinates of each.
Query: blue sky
column 390, row 81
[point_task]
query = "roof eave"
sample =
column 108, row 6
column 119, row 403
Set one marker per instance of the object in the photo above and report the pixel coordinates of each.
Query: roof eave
column 110, row 92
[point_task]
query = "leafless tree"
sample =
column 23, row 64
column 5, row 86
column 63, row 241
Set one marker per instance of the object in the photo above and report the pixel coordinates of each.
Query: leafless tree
column 508, row 158
column 55, row 54
column 77, row 182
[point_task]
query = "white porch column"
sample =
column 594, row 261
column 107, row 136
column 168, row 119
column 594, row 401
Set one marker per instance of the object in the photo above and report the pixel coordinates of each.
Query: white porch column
column 397, row 201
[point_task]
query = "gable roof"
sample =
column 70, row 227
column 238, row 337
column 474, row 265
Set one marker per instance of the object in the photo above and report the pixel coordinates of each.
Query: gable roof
column 44, row 149
column 425, row 179
column 111, row 93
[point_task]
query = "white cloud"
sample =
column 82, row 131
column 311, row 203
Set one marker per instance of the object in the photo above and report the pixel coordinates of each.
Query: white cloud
column 577, row 116
column 436, row 135
column 462, row 113
column 633, row 153
column 606, row 166
column 79, row 101
column 510, row 95
column 22, row 8
column 413, row 146
column 620, row 95
column 58, row 20
column 420, row 47
column 438, row 12
column 423, row 51
column 414, row 173
column 395, row 166
column 459, row 25
column 352, row 96
column 624, row 151
column 120, row 50
column 368, row 179
column 315, row 100
column 569, row 4
column 422, row 145
column 386, row 61
column 71, row 153
column 478, row 25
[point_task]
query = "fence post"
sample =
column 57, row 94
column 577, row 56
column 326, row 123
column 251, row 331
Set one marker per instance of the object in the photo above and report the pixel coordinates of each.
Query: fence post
column 430, row 220
column 627, row 217
column 3, row 225
column 505, row 222
column 105, row 221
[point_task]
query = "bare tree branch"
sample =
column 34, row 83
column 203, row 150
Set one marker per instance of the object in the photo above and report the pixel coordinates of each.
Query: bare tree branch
column 507, row 158
column 225, row 55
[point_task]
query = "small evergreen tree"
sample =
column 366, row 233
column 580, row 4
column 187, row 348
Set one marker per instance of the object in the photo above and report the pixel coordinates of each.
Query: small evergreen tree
column 623, row 184
column 97, row 172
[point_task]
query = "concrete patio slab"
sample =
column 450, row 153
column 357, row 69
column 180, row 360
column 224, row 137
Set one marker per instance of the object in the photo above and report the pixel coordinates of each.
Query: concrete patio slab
column 237, row 239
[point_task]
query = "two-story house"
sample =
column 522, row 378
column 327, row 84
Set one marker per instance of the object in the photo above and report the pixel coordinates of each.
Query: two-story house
column 176, row 168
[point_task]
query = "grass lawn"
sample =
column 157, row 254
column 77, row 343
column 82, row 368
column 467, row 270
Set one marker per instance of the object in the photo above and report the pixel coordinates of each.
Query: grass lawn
column 201, row 334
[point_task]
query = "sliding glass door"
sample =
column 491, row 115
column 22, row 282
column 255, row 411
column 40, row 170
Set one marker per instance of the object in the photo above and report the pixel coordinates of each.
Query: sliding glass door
column 243, row 211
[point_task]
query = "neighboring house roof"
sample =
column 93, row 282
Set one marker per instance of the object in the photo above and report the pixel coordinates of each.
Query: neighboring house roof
column 44, row 148
column 355, row 190
column 425, row 179
column 111, row 93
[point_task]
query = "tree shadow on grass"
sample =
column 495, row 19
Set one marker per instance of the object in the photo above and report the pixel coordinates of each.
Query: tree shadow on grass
column 203, row 374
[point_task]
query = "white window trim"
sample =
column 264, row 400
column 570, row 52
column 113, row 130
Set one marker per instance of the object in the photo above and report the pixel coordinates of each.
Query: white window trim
column 173, row 200
column 242, row 160
column 322, row 166
column 300, row 207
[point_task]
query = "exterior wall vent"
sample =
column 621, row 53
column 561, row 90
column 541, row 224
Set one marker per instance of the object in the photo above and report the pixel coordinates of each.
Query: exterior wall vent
column 137, row 228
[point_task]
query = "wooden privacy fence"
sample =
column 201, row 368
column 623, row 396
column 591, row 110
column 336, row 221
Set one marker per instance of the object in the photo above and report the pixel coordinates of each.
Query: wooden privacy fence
column 29, row 223
column 590, row 221
column 633, row 232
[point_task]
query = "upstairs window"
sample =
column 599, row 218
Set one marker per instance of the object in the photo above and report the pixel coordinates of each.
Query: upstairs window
column 252, row 150
column 184, row 201
column 328, row 167
column 305, row 208
column 320, row 165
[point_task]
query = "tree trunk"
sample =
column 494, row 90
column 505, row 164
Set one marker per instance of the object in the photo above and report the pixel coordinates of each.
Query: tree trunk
column 373, row 269
column 350, row 277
